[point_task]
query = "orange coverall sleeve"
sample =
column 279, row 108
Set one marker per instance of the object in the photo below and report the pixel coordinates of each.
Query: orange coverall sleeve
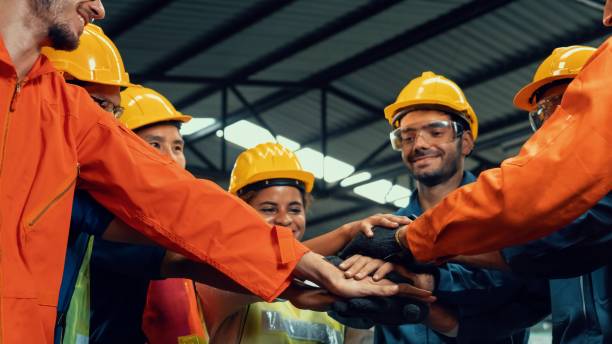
column 195, row 217
column 560, row 172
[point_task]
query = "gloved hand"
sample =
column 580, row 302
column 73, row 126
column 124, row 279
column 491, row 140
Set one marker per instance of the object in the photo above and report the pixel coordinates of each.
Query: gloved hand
column 381, row 246
column 393, row 310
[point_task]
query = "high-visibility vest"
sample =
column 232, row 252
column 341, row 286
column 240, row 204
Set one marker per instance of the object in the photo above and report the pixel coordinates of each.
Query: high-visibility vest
column 281, row 322
column 77, row 318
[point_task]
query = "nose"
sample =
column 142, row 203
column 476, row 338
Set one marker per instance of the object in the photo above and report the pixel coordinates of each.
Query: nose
column 282, row 218
column 97, row 9
column 420, row 141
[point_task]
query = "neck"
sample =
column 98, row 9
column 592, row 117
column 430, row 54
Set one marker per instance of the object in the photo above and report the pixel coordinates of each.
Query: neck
column 22, row 34
column 429, row 196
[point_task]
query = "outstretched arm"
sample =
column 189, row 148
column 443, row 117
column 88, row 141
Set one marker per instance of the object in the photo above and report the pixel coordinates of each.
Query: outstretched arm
column 562, row 171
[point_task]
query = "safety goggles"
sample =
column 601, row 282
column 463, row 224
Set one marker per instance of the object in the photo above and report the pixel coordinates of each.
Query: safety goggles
column 544, row 109
column 434, row 132
column 116, row 110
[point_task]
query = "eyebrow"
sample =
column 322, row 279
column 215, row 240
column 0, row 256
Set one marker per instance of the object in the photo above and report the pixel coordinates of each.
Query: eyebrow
column 268, row 203
column 161, row 138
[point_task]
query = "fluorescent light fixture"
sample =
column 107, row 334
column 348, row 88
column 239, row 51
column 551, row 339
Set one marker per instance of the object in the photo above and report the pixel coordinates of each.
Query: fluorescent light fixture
column 196, row 124
column 356, row 178
column 311, row 161
column 246, row 134
column 398, row 192
column 290, row 144
column 402, row 202
column 376, row 190
column 335, row 170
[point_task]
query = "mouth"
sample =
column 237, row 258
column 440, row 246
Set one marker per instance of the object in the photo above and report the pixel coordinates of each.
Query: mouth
column 422, row 158
column 84, row 18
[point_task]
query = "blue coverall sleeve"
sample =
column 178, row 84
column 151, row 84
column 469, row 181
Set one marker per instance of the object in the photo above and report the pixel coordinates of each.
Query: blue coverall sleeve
column 501, row 302
column 528, row 307
column 460, row 285
column 88, row 216
column 579, row 248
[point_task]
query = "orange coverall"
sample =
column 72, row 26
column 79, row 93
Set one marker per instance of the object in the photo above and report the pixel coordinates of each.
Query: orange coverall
column 560, row 173
column 53, row 136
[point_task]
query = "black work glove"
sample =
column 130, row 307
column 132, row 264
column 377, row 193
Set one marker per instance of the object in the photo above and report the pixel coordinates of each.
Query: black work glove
column 393, row 310
column 363, row 312
column 381, row 246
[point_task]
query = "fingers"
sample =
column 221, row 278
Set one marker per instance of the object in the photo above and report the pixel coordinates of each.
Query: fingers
column 369, row 268
column 408, row 290
column 389, row 220
column 383, row 270
column 346, row 264
column 358, row 266
column 381, row 220
column 366, row 228
column 383, row 290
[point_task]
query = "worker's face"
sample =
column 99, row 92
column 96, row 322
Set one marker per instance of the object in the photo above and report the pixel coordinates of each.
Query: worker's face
column 432, row 164
column 167, row 139
column 64, row 20
column 607, row 14
column 282, row 206
column 546, row 105
column 107, row 96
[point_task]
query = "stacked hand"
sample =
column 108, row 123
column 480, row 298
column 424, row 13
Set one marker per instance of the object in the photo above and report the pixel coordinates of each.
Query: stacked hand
column 409, row 306
column 394, row 299
column 383, row 244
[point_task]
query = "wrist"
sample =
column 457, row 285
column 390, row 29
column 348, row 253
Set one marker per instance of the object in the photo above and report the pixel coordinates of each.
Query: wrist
column 349, row 230
column 310, row 267
column 400, row 238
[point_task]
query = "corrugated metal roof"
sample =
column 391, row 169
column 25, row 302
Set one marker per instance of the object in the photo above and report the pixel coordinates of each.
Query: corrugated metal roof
column 173, row 27
column 385, row 25
column 276, row 30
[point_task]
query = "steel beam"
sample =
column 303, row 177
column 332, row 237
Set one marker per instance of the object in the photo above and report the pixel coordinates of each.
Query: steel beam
column 300, row 44
column 245, row 19
column 136, row 17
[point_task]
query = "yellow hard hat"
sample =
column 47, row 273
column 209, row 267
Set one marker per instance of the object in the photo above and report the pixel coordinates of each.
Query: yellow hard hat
column 267, row 162
column 563, row 63
column 432, row 90
column 143, row 106
column 96, row 59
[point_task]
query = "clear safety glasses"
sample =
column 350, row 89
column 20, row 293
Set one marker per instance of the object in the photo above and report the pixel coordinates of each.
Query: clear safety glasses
column 434, row 132
column 544, row 109
column 106, row 105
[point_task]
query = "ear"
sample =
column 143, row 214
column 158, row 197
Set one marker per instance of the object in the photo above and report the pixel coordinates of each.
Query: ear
column 467, row 143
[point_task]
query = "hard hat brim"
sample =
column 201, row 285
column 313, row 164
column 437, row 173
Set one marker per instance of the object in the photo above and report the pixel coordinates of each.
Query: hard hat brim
column 179, row 117
column 522, row 99
column 304, row 176
column 392, row 109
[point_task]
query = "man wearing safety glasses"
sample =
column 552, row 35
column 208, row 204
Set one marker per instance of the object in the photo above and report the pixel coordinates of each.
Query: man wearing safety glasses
column 435, row 129
column 560, row 173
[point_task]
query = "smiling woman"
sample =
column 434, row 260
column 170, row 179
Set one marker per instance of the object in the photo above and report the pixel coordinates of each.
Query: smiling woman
column 270, row 178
